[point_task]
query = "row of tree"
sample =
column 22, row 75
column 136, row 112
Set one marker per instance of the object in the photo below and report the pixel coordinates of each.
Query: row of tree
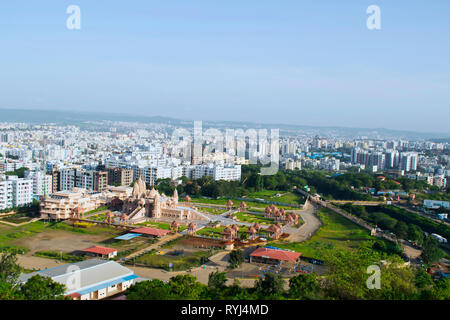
column 347, row 278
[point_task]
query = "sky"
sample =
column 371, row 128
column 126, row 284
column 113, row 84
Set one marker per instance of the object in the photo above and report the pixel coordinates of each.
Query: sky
column 293, row 62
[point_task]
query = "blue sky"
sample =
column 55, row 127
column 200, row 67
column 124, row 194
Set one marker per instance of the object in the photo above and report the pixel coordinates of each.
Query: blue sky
column 293, row 62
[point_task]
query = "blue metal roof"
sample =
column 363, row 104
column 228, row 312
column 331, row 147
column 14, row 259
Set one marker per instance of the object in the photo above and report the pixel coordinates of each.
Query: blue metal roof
column 107, row 284
column 128, row 236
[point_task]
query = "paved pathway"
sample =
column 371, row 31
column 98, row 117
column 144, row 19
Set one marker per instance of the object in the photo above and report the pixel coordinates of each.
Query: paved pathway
column 309, row 227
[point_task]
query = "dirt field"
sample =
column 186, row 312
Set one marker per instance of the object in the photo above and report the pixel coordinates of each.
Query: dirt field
column 59, row 241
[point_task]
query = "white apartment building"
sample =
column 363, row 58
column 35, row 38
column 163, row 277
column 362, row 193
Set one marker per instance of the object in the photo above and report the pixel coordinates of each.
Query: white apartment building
column 6, row 196
column 153, row 173
column 227, row 172
column 42, row 183
column 15, row 192
column 293, row 164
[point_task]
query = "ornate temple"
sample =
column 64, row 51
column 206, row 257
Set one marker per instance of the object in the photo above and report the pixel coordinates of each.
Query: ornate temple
column 145, row 203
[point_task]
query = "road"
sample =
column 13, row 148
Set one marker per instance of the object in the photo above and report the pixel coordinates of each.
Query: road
column 310, row 226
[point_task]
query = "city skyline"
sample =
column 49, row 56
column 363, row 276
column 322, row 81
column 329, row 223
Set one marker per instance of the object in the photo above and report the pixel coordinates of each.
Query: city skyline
column 260, row 62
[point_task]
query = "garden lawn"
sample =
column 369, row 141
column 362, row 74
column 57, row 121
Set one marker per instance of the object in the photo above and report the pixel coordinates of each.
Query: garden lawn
column 270, row 195
column 182, row 262
column 253, row 218
column 335, row 232
column 217, row 211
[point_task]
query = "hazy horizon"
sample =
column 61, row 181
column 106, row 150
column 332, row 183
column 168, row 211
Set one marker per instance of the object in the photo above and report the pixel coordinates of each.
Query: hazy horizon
column 295, row 63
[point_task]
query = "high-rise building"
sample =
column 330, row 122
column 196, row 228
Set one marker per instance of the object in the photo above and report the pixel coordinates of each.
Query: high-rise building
column 42, row 183
column 15, row 192
column 120, row 176
column 408, row 161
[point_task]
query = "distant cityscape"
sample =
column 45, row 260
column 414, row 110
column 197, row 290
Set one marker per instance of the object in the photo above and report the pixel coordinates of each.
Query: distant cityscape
column 60, row 158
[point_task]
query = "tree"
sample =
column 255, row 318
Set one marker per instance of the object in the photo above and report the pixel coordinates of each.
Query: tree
column 415, row 234
column 304, row 286
column 236, row 258
column 185, row 287
column 8, row 292
column 431, row 252
column 217, row 280
column 9, row 269
column 269, row 287
column 401, row 230
column 148, row 290
column 42, row 288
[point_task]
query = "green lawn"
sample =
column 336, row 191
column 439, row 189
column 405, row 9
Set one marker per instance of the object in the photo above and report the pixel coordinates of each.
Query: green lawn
column 96, row 210
column 253, row 218
column 181, row 262
column 270, row 195
column 289, row 198
column 159, row 225
column 17, row 218
column 210, row 201
column 336, row 232
column 217, row 232
column 212, row 210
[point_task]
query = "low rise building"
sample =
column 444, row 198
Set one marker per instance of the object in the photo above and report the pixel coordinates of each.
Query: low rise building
column 92, row 279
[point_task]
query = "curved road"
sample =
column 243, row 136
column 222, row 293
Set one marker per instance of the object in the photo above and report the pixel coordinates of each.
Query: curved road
column 311, row 225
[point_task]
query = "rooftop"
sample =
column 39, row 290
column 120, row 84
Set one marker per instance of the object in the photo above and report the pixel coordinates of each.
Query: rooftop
column 151, row 231
column 276, row 254
column 99, row 250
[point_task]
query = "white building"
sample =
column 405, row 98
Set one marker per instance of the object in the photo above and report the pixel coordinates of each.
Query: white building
column 15, row 192
column 42, row 183
column 92, row 279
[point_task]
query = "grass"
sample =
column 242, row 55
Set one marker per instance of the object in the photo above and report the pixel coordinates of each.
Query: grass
column 250, row 204
column 160, row 225
column 14, row 249
column 59, row 256
column 336, row 232
column 212, row 210
column 182, row 262
column 96, row 210
column 17, row 218
column 270, row 195
column 173, row 243
column 253, row 218
column 217, row 232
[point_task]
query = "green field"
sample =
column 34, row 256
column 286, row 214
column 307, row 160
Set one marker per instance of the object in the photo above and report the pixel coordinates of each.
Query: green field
column 253, row 218
column 217, row 232
column 96, row 210
column 17, row 218
column 159, row 225
column 251, row 204
column 182, row 262
column 216, row 211
column 61, row 256
column 335, row 232
column 271, row 195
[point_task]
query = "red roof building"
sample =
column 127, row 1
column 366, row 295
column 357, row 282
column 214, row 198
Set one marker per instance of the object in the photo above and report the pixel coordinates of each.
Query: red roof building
column 274, row 256
column 101, row 251
column 151, row 231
